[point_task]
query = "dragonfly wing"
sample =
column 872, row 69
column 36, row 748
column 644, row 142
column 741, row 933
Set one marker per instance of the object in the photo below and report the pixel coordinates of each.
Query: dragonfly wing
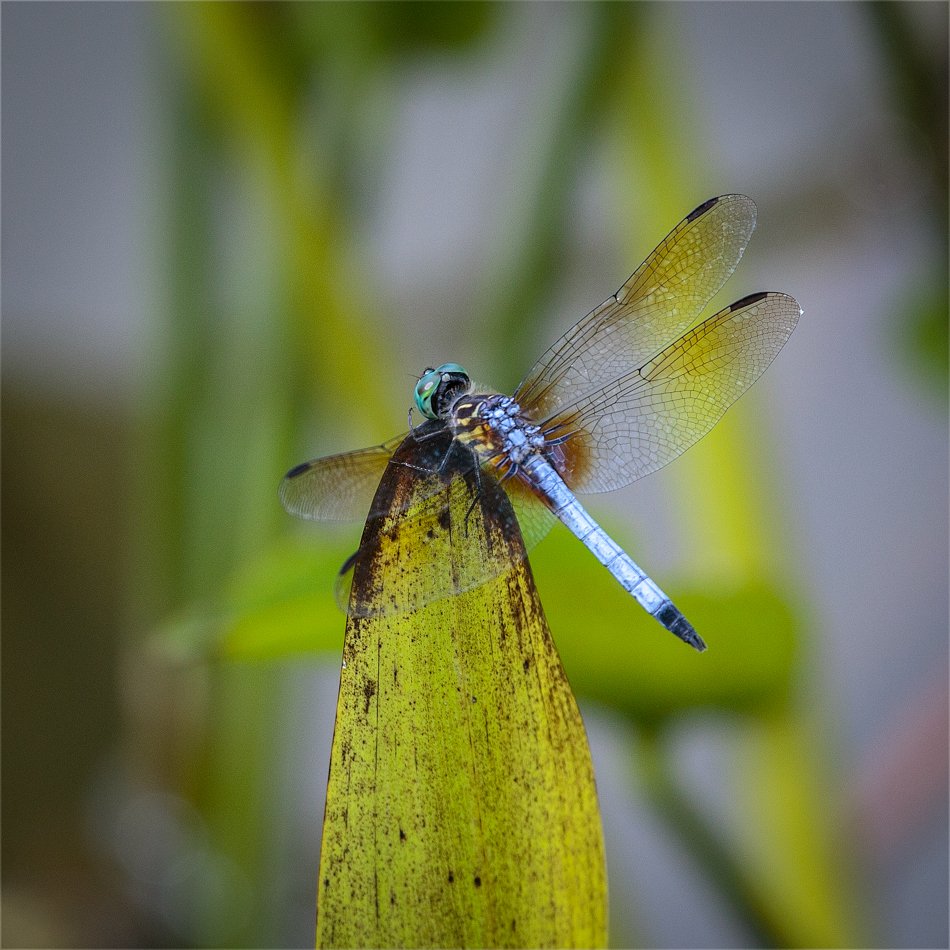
column 660, row 300
column 344, row 582
column 534, row 517
column 337, row 487
column 531, row 516
column 419, row 506
column 342, row 487
column 640, row 421
column 410, row 488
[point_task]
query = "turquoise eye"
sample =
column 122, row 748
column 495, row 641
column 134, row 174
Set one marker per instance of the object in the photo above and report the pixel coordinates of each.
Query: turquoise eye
column 446, row 382
column 453, row 368
column 425, row 389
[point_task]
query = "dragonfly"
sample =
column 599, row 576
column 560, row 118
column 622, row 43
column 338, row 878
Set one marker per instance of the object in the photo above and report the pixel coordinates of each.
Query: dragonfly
column 621, row 394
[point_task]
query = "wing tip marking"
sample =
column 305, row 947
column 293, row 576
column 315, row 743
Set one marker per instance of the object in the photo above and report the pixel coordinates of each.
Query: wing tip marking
column 749, row 299
column 702, row 209
column 297, row 470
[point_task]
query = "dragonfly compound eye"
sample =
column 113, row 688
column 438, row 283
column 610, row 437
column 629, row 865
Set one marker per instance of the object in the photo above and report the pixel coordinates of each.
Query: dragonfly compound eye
column 438, row 390
column 425, row 390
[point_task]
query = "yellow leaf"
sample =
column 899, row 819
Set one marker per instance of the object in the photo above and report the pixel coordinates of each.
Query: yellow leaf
column 461, row 807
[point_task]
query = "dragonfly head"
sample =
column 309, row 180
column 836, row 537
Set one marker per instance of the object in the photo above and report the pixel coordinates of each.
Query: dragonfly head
column 438, row 389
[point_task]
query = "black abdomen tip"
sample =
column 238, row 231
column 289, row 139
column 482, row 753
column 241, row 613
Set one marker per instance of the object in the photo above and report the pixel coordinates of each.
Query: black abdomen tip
column 674, row 621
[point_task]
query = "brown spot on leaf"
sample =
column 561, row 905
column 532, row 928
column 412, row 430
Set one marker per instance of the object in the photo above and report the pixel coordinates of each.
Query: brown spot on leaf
column 445, row 518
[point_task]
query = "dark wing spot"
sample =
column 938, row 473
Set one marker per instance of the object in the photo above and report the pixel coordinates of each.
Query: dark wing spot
column 298, row 470
column 702, row 209
column 746, row 301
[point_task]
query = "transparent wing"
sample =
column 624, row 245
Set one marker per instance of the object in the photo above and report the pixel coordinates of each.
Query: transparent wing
column 437, row 467
column 337, row 487
column 647, row 417
column 660, row 300
column 343, row 487
column 534, row 517
column 456, row 512
column 433, row 487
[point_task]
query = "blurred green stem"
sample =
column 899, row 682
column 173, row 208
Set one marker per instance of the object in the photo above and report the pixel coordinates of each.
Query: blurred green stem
column 797, row 896
column 263, row 105
column 722, row 869
column 245, row 361
column 919, row 84
column 523, row 268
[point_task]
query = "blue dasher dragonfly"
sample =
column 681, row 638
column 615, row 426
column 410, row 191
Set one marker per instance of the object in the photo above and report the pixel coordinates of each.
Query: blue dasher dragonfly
column 610, row 402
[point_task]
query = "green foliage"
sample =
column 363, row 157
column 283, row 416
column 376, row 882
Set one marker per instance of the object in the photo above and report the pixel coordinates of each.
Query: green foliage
column 616, row 654
column 922, row 336
column 250, row 71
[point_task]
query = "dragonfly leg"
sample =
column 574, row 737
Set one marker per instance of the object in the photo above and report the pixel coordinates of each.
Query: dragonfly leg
column 415, row 430
column 478, row 494
column 421, row 468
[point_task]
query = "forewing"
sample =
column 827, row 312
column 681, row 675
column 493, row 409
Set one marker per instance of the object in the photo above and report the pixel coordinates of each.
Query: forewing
column 531, row 516
column 337, row 487
column 660, row 300
column 423, row 508
column 342, row 487
column 534, row 518
column 647, row 417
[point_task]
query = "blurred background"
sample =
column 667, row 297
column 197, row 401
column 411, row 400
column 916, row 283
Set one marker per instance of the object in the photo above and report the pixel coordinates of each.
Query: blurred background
column 232, row 232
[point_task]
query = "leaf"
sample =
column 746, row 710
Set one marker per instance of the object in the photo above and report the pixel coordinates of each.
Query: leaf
column 614, row 653
column 461, row 808
column 281, row 605
column 617, row 654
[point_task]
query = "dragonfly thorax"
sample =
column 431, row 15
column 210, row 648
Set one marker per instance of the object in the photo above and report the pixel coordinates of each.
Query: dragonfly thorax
column 495, row 428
